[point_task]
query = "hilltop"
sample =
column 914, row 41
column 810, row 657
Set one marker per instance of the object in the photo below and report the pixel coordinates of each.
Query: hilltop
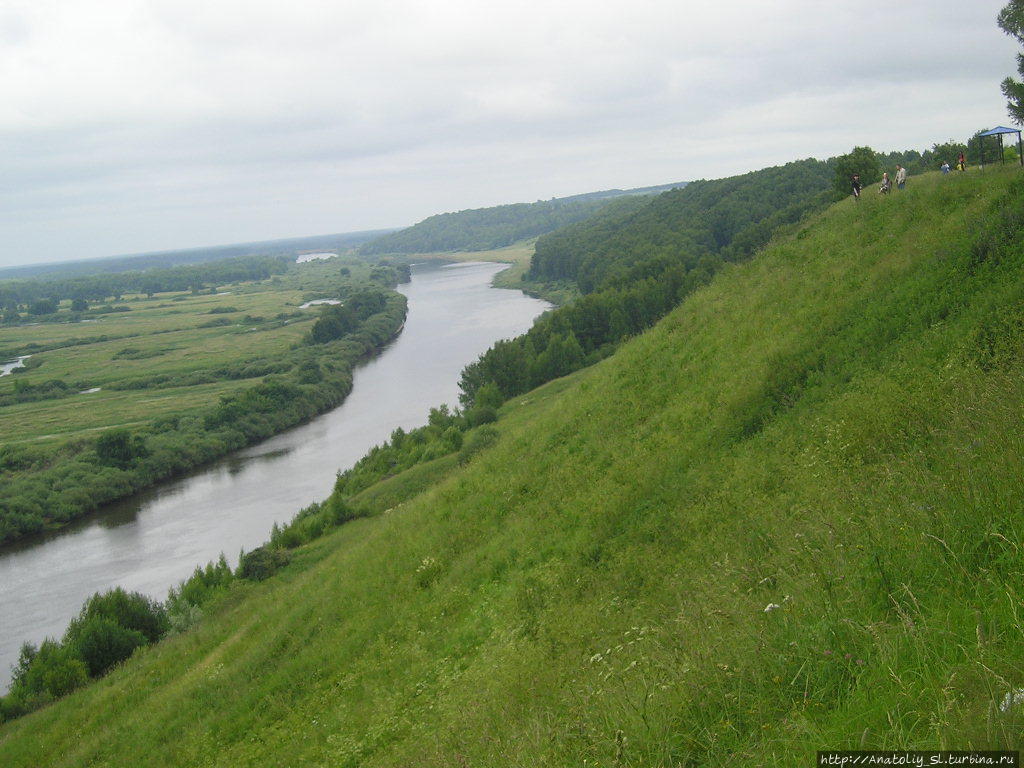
column 785, row 518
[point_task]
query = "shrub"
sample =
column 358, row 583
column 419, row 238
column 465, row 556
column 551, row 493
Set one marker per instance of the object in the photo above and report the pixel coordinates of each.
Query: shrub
column 130, row 610
column 119, row 448
column 481, row 414
column 101, row 643
column 488, row 396
column 52, row 670
column 476, row 441
column 262, row 563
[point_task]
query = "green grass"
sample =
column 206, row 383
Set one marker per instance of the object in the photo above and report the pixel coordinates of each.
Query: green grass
column 389, row 493
column 162, row 335
column 50, row 421
column 833, row 428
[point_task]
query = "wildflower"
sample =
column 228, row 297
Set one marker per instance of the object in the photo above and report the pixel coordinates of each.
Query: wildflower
column 860, row 662
column 828, row 653
column 771, row 607
column 1013, row 699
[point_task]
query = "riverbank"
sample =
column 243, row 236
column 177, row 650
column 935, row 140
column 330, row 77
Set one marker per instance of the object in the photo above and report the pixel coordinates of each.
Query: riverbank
column 155, row 539
column 517, row 256
column 45, row 488
column 788, row 515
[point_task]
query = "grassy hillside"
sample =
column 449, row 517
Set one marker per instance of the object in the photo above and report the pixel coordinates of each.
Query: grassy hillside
column 789, row 517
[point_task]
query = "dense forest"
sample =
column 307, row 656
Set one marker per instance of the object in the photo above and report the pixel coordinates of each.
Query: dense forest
column 485, row 228
column 636, row 260
column 726, row 218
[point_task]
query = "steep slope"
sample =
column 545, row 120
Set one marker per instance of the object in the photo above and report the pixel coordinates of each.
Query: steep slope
column 788, row 517
column 635, row 261
column 725, row 219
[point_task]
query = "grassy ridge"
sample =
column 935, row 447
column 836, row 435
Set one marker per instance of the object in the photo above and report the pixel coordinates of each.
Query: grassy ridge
column 787, row 518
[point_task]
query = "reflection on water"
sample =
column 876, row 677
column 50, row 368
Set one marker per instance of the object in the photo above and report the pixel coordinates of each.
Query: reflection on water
column 155, row 539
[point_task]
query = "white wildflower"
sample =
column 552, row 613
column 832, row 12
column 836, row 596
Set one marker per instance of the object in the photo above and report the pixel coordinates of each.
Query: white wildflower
column 771, row 607
column 1012, row 700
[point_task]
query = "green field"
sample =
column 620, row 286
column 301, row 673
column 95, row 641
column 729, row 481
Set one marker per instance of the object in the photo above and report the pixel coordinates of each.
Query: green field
column 159, row 335
column 790, row 517
column 171, row 381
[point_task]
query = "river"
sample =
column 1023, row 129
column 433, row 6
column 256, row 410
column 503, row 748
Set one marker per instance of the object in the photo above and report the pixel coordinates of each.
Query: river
column 153, row 541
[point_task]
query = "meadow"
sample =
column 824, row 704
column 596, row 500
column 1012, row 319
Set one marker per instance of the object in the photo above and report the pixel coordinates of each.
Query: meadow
column 144, row 366
column 787, row 518
column 171, row 334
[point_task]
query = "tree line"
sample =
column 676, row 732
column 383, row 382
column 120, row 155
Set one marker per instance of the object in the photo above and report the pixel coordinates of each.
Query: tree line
column 483, row 228
column 42, row 295
column 637, row 260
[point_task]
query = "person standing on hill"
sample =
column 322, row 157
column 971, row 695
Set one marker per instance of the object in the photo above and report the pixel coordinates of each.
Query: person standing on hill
column 855, row 183
column 961, row 162
column 886, row 184
column 901, row 177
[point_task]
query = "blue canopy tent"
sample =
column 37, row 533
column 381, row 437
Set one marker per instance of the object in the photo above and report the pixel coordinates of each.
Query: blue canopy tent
column 999, row 131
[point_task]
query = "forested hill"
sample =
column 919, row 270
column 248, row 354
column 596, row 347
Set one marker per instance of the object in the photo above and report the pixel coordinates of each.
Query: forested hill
column 725, row 218
column 636, row 260
column 480, row 229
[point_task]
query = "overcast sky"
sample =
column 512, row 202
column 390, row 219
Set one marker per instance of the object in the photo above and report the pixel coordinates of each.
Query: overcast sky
column 139, row 125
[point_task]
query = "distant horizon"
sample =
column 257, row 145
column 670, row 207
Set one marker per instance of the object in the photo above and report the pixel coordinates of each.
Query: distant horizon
column 187, row 249
column 133, row 128
column 56, row 263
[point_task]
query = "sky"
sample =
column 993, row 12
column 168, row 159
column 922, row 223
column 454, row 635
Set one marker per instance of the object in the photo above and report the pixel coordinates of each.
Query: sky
column 141, row 125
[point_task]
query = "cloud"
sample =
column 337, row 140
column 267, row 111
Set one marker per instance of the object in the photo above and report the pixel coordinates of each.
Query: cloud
column 132, row 125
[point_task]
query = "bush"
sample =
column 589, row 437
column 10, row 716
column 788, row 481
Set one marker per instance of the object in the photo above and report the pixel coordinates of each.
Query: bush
column 130, row 610
column 101, row 643
column 262, row 563
column 119, row 448
column 51, row 671
column 477, row 441
column 488, row 396
column 481, row 414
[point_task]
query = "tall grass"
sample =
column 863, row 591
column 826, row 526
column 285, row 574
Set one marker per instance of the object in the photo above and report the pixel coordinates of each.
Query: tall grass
column 788, row 518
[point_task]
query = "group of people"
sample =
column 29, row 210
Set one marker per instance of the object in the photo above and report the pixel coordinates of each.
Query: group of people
column 961, row 164
column 901, row 182
column 901, row 177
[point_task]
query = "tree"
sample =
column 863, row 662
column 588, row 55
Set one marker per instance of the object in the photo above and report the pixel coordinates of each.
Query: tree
column 119, row 448
column 862, row 160
column 1011, row 20
column 489, row 396
column 42, row 307
column 131, row 610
